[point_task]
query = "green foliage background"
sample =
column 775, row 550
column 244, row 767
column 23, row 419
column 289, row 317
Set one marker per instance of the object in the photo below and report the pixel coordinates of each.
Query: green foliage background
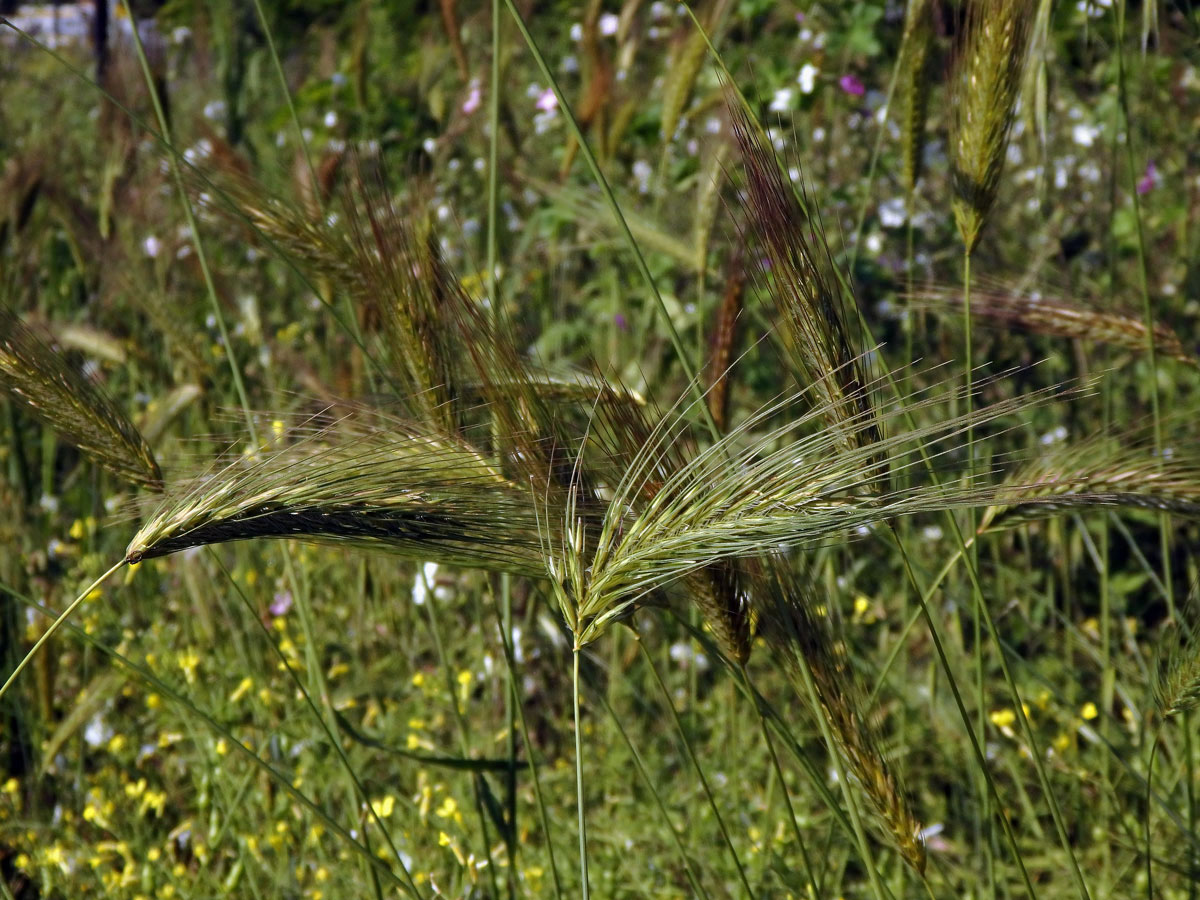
column 176, row 739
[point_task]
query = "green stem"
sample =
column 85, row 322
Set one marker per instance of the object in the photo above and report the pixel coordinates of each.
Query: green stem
column 461, row 722
column 687, row 746
column 283, row 781
column 809, row 871
column 189, row 214
column 54, row 626
column 648, row 782
column 685, row 362
column 515, row 699
column 332, row 736
column 579, row 799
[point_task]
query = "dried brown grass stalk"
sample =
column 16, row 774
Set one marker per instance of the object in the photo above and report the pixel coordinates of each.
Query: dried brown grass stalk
column 1057, row 317
column 990, row 67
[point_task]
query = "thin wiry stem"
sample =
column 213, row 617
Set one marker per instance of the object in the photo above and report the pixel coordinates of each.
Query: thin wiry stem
column 334, row 739
column 54, row 626
column 287, row 97
column 283, row 781
column 689, row 369
column 691, row 755
column 1164, row 526
column 515, row 701
column 190, row 215
column 461, row 722
column 579, row 796
column 648, row 782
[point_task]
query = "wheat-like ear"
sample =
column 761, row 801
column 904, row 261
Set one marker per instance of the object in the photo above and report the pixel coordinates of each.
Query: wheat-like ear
column 82, row 414
column 987, row 79
column 1055, row 316
column 913, row 85
column 800, row 628
column 393, row 486
column 801, row 284
column 1098, row 471
column 762, row 486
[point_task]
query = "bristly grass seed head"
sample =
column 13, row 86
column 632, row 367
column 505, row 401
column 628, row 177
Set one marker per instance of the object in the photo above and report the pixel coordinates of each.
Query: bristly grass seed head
column 77, row 409
column 991, row 63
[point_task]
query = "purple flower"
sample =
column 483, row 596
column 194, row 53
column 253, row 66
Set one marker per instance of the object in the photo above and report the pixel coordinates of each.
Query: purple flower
column 546, row 101
column 1147, row 182
column 851, row 85
column 474, row 98
column 281, row 604
column 621, row 322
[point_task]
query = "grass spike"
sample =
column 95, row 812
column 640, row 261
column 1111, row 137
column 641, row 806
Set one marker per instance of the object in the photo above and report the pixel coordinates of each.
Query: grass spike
column 795, row 622
column 1177, row 685
column 914, row 87
column 77, row 409
column 987, row 80
column 800, row 283
column 399, row 488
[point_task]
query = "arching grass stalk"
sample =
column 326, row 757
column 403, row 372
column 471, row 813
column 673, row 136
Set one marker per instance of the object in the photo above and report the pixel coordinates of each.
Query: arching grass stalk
column 315, row 185
column 976, row 747
column 217, row 190
column 316, row 675
column 190, row 215
column 691, row 755
column 809, row 871
column 287, row 98
column 1164, row 526
column 55, row 625
column 511, row 697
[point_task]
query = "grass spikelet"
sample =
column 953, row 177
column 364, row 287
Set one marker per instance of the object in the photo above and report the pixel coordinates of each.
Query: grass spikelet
column 76, row 408
column 1057, row 317
column 401, row 272
column 913, row 87
column 800, row 283
column 990, row 67
column 799, row 628
column 396, row 487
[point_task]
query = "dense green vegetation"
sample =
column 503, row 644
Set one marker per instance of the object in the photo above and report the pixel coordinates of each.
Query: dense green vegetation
column 787, row 490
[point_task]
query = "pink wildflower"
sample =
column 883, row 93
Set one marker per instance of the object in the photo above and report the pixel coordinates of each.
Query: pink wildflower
column 851, row 85
column 1147, row 182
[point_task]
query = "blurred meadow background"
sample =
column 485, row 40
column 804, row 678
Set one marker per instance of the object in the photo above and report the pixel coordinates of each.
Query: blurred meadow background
column 745, row 449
